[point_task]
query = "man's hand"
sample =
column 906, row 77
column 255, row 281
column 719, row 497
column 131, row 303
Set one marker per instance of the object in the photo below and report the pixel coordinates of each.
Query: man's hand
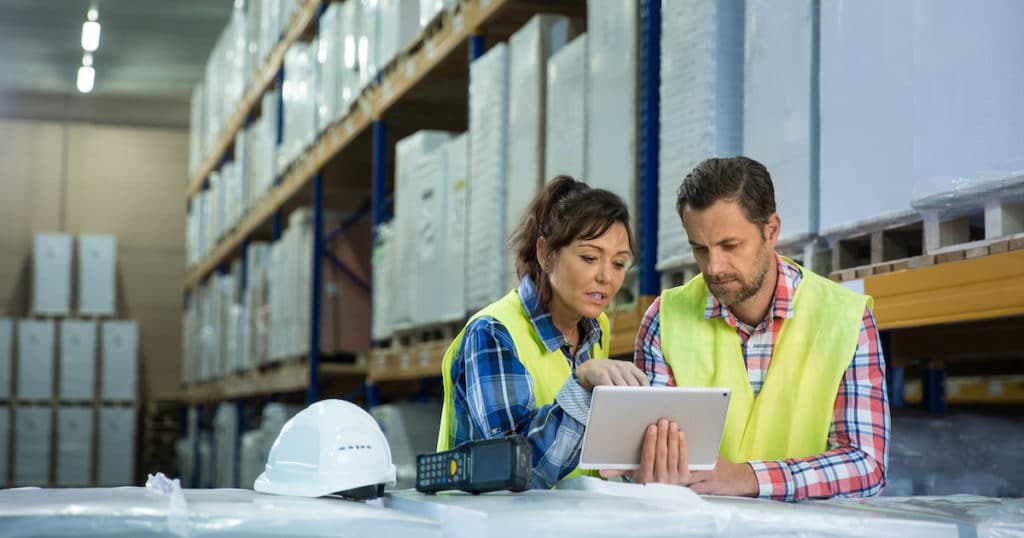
column 737, row 479
column 610, row 372
column 663, row 458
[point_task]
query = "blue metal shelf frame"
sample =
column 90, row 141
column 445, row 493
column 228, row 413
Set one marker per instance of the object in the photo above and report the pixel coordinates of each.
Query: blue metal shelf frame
column 378, row 211
column 650, row 114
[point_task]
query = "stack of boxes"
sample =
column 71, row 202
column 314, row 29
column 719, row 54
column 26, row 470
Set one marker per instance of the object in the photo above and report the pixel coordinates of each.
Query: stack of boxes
column 68, row 414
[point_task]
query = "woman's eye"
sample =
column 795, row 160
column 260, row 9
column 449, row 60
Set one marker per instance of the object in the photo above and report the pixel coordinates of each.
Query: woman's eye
column 589, row 259
column 620, row 265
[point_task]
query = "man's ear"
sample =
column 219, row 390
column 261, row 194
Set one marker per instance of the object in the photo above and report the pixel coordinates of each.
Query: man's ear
column 772, row 229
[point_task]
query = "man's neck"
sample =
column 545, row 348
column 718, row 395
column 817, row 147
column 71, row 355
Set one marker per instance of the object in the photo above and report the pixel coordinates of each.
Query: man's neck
column 754, row 310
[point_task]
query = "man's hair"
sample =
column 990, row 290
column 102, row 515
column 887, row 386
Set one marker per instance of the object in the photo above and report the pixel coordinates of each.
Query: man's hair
column 735, row 179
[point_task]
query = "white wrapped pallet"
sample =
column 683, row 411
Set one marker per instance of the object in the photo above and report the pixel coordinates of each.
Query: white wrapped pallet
column 351, row 35
column 197, row 132
column 528, row 52
column 51, row 283
column 383, row 284
column 867, row 82
column 77, row 360
column 488, row 131
column 205, row 462
column 270, row 27
column 701, row 102
column 5, row 437
column 565, row 139
column 418, row 178
column 298, row 113
column 453, row 298
column 251, row 459
column 74, row 446
column 411, row 429
column 6, row 359
column 32, row 430
column 613, row 68
column 257, row 260
column 369, row 41
column 253, row 19
column 330, row 48
column 120, row 348
column 116, row 447
column 916, row 70
column 97, row 260
column 225, row 435
column 777, row 104
column 35, row 359
column 399, row 23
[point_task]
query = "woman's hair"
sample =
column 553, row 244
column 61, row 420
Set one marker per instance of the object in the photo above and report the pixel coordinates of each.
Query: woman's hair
column 564, row 211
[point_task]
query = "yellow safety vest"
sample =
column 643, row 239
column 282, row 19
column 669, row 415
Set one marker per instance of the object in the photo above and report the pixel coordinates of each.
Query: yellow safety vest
column 549, row 369
column 791, row 416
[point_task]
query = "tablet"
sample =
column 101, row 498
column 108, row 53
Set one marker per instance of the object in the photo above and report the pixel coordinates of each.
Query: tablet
column 619, row 416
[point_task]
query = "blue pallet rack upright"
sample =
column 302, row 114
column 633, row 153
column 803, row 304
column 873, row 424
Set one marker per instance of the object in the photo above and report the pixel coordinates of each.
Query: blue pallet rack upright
column 650, row 113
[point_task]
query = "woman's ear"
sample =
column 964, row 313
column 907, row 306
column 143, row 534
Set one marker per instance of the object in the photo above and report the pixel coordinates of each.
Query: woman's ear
column 543, row 255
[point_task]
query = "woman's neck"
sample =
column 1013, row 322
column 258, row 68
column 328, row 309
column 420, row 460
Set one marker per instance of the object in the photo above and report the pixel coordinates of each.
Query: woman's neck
column 565, row 320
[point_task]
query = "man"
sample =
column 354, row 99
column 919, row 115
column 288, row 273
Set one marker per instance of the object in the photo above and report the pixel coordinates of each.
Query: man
column 809, row 416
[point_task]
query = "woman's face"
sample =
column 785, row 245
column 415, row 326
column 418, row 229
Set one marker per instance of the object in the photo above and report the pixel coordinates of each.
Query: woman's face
column 586, row 274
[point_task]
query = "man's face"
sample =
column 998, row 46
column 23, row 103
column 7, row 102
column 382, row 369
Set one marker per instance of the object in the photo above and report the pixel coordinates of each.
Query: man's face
column 733, row 254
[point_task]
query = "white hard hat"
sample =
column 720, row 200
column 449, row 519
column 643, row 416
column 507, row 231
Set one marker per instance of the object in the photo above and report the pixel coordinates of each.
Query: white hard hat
column 332, row 446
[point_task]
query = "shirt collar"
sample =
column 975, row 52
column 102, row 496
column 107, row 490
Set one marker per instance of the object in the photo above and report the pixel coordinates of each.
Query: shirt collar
column 782, row 299
column 552, row 338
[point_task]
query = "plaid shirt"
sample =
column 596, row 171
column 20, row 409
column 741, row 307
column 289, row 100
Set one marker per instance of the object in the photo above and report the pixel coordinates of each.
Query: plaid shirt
column 858, row 454
column 494, row 391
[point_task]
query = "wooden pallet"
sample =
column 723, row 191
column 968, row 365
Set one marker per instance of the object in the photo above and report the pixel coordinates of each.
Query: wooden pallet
column 413, row 354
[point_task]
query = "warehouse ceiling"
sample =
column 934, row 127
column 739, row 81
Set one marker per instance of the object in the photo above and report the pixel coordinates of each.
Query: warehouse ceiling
column 150, row 50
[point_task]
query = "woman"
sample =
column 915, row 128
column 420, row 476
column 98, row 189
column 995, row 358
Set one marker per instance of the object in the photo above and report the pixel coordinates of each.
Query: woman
column 524, row 364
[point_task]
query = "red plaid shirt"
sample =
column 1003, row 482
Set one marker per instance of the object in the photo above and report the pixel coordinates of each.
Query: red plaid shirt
column 855, row 463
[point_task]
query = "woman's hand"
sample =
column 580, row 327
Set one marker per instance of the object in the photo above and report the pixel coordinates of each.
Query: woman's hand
column 610, row 372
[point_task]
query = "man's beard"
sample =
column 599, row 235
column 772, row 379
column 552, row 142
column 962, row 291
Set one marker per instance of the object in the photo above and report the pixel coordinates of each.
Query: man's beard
column 749, row 285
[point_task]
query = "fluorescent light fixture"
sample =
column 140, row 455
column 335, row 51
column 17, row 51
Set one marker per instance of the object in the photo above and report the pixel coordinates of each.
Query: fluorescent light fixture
column 87, row 59
column 86, row 78
column 90, row 36
column 93, row 14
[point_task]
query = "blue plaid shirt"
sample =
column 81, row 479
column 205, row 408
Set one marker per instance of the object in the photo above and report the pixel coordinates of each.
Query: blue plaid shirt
column 494, row 392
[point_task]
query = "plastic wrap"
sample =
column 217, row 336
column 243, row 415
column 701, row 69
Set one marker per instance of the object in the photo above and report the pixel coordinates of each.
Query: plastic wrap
column 453, row 299
column 298, row 95
column 32, row 430
column 488, row 132
column 383, row 271
column 120, row 348
column 163, row 509
column 97, row 259
column 116, row 446
column 613, row 67
column 701, row 102
column 5, row 436
column 51, row 274
column 35, row 359
column 225, row 435
column 411, row 429
column 77, row 359
column 528, row 52
column 196, row 132
column 6, row 357
column 565, row 137
column 777, row 121
column 74, row 446
column 398, row 22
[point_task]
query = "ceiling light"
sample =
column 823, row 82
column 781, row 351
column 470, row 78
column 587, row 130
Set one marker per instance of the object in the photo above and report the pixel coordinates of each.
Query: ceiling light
column 86, row 78
column 90, row 36
column 87, row 59
column 93, row 14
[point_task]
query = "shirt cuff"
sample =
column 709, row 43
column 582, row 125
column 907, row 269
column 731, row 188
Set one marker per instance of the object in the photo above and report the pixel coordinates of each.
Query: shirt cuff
column 574, row 400
column 773, row 479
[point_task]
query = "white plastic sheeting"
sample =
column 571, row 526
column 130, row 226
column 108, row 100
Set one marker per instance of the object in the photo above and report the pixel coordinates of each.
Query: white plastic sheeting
column 701, row 102
column 453, row 299
column 778, row 100
column 166, row 510
column 411, row 429
column 225, row 435
column 6, row 356
column 488, row 132
column 74, row 446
